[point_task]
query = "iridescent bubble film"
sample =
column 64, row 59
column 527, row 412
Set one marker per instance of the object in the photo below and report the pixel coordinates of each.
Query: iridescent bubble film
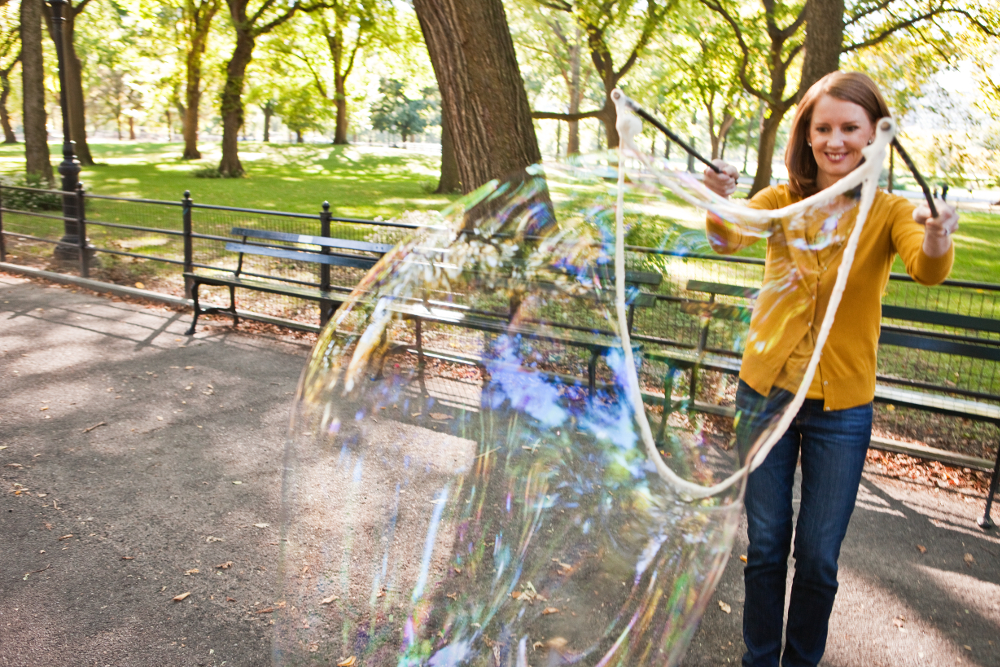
column 466, row 479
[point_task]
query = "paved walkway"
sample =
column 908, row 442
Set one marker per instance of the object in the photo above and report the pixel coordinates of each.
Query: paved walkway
column 135, row 460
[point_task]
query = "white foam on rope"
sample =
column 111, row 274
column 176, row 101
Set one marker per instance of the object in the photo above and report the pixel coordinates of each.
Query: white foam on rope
column 866, row 175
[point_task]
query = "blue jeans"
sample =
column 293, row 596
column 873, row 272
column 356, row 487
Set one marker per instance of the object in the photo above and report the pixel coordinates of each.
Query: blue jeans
column 833, row 445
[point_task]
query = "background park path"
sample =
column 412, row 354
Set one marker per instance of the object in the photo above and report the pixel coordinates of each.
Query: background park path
column 136, row 461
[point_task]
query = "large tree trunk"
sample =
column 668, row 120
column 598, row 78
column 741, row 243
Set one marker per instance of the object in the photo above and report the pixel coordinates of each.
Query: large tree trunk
column 340, row 99
column 449, row 166
column 268, row 110
column 483, row 96
column 765, row 151
column 8, row 132
column 36, row 147
column 232, row 104
column 575, row 95
column 192, row 98
column 74, row 89
column 824, row 40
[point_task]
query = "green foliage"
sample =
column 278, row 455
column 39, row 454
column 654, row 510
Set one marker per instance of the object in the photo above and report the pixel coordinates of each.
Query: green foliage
column 395, row 112
column 207, row 172
column 24, row 200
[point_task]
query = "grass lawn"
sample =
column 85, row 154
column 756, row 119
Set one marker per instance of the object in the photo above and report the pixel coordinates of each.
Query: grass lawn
column 359, row 181
column 363, row 181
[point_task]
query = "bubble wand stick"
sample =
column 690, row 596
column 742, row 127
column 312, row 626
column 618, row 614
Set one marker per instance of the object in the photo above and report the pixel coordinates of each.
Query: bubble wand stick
column 648, row 117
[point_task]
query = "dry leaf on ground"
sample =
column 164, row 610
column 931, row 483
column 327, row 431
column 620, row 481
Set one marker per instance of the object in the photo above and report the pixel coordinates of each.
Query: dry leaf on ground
column 550, row 610
column 179, row 598
column 347, row 662
column 969, row 559
column 921, row 548
column 191, row 571
column 329, row 599
column 225, row 566
column 725, row 607
column 261, row 525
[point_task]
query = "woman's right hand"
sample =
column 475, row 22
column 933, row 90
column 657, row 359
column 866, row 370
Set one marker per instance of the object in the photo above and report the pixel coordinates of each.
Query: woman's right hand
column 723, row 182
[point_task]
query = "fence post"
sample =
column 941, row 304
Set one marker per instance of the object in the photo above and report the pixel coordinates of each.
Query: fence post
column 324, row 269
column 81, row 226
column 188, row 242
column 3, row 246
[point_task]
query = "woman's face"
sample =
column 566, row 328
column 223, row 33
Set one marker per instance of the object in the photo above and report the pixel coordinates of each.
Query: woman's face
column 838, row 131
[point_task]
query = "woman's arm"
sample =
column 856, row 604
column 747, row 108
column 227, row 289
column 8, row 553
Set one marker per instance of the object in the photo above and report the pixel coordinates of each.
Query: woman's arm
column 725, row 237
column 924, row 243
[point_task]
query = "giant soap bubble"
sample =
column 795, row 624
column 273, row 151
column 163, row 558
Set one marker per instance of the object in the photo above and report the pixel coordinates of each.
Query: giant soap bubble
column 480, row 471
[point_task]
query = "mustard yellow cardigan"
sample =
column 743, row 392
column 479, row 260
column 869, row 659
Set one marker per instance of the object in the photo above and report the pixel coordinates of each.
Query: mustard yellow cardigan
column 798, row 281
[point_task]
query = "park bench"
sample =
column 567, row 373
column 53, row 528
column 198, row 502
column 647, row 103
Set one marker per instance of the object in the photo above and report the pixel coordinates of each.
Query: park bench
column 904, row 332
column 321, row 250
column 598, row 343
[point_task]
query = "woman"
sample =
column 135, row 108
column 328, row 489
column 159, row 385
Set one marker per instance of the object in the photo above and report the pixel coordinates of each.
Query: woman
column 835, row 120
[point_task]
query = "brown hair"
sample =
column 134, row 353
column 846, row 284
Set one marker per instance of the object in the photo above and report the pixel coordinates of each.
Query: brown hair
column 847, row 86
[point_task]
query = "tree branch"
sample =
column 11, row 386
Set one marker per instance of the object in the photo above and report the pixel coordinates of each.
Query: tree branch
column 552, row 115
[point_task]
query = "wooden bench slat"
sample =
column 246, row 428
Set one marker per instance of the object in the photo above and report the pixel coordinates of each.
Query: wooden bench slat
column 937, row 317
column 324, row 241
column 916, row 341
column 936, row 403
column 723, row 311
column 271, row 288
column 719, row 288
column 303, row 255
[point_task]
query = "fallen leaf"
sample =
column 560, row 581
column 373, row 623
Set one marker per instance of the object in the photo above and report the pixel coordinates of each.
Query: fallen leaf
column 515, row 595
column 140, row 286
column 191, row 571
column 969, row 560
column 743, row 557
column 967, row 647
column 91, row 428
column 261, row 525
column 66, row 537
column 440, row 415
column 329, row 599
column 228, row 599
column 347, row 662
column 14, row 465
column 921, row 548
column 213, row 538
column 280, row 605
column 237, row 482
column 313, row 648
column 179, row 598
column 48, row 526
column 457, row 570
column 43, row 409
column 225, row 566
column 3, row 447
column 128, row 557
column 550, row 610
column 725, row 607
column 266, row 611
column 453, row 596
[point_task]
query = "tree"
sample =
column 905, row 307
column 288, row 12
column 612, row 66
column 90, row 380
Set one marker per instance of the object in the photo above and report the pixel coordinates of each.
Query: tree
column 395, row 112
column 770, row 41
column 599, row 19
column 350, row 26
column 10, row 56
column 302, row 111
column 248, row 25
column 482, row 93
column 196, row 19
column 36, row 147
column 74, row 79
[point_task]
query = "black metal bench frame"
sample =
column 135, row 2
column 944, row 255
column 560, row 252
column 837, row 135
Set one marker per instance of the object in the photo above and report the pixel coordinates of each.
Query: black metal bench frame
column 499, row 323
column 920, row 396
column 326, row 252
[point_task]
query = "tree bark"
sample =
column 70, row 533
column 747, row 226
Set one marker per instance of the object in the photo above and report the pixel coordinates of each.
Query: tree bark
column 449, row 166
column 483, row 97
column 765, row 151
column 74, row 87
column 199, row 15
column 340, row 99
column 36, row 147
column 8, row 132
column 232, row 103
column 824, row 40
column 268, row 110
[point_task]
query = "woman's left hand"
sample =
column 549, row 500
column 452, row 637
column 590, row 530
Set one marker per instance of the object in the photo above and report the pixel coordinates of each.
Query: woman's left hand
column 937, row 231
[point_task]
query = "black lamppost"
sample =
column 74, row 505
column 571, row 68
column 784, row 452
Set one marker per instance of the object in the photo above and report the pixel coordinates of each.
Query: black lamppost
column 69, row 169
